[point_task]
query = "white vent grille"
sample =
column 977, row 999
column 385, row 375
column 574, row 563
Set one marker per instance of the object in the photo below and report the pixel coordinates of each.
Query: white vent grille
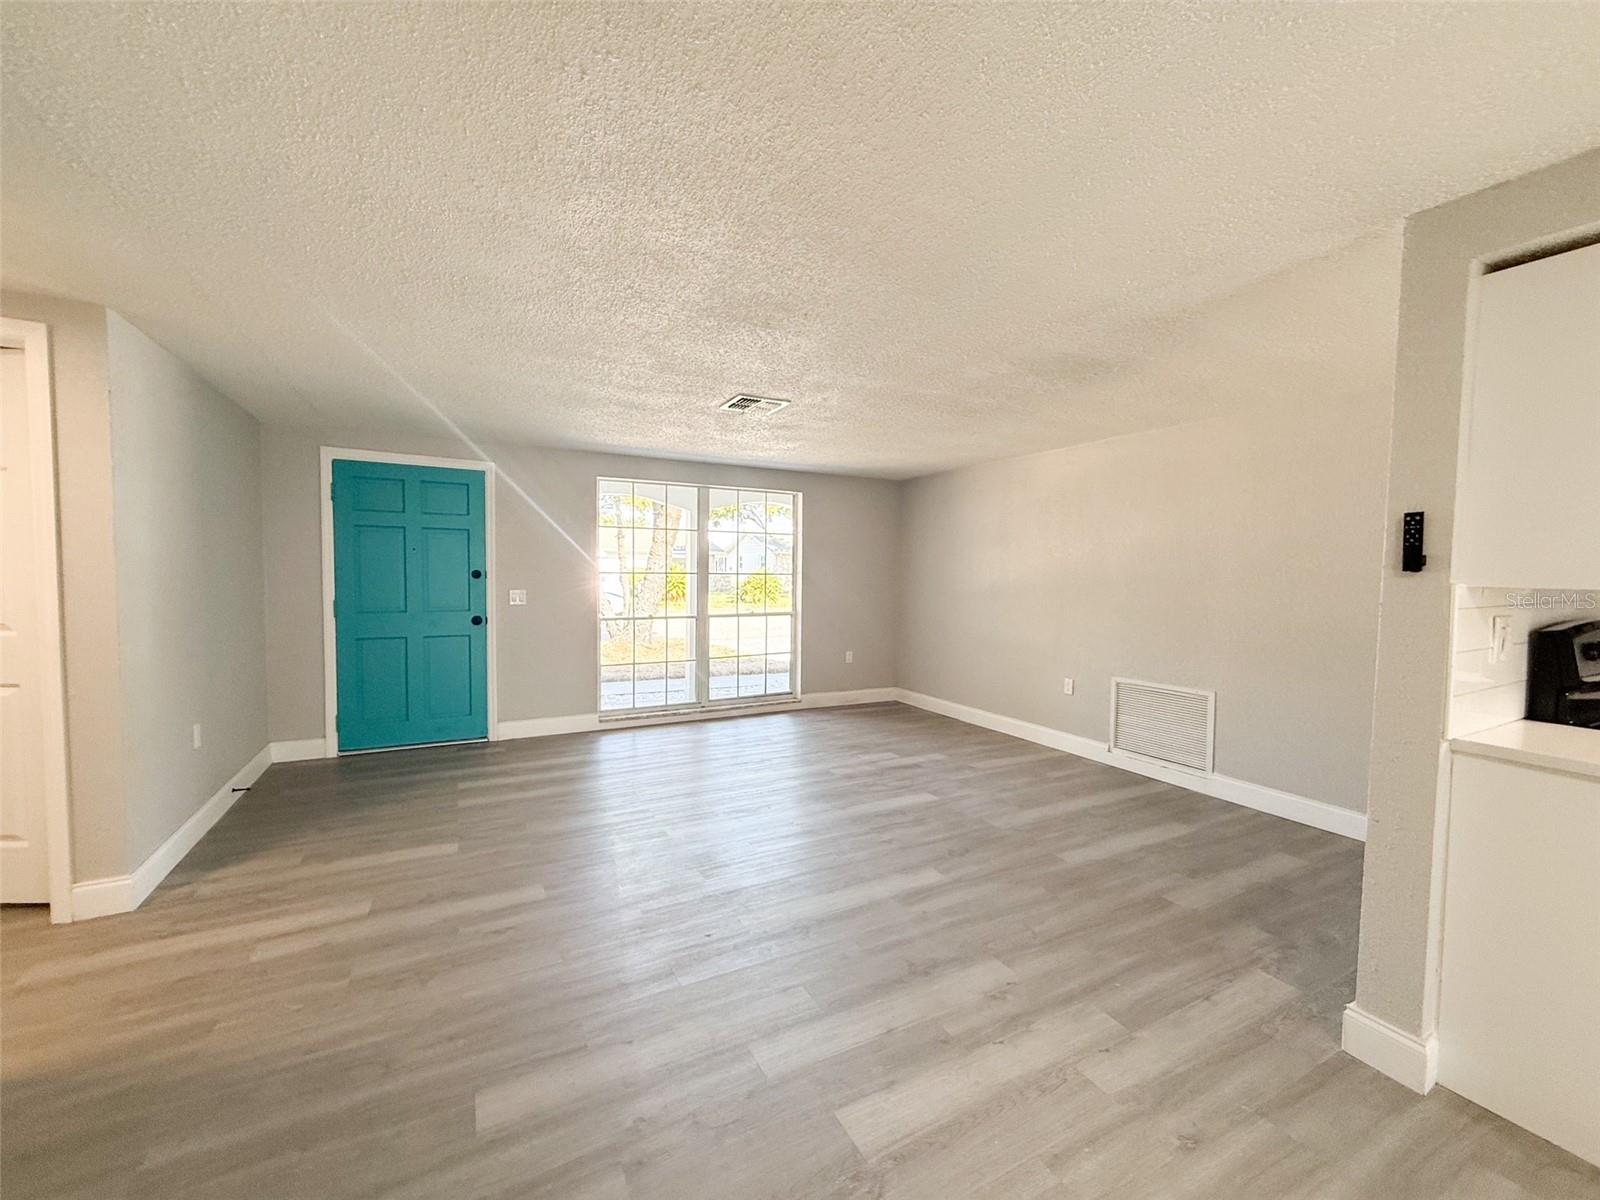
column 754, row 404
column 1168, row 724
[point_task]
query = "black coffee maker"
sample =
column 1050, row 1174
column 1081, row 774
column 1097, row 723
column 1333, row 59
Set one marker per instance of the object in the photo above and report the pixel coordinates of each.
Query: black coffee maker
column 1564, row 674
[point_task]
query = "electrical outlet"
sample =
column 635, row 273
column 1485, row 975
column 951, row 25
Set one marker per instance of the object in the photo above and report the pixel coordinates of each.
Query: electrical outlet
column 519, row 596
column 197, row 735
column 849, row 656
column 1066, row 686
column 1499, row 638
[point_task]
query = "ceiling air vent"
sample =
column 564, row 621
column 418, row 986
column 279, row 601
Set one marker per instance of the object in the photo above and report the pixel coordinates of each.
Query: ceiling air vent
column 754, row 404
column 1166, row 724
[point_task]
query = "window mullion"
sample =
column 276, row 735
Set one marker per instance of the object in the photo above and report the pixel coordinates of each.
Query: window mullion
column 702, row 597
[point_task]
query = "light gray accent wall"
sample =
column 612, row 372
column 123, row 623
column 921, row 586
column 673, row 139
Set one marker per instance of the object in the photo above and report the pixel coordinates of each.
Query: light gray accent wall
column 1238, row 554
column 1404, row 864
column 89, row 578
column 547, row 649
column 186, row 475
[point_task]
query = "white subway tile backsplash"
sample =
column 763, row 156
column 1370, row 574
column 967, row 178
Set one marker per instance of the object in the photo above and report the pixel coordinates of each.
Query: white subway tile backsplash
column 1476, row 711
column 1474, row 672
column 1483, row 597
column 1485, row 694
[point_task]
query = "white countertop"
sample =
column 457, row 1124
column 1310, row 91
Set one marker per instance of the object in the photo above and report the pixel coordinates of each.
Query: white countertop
column 1537, row 744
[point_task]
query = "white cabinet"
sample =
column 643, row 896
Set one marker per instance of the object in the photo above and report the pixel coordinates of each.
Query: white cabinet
column 1528, row 506
column 1519, row 998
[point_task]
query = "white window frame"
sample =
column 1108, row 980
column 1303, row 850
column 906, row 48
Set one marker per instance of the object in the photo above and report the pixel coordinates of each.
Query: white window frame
column 702, row 611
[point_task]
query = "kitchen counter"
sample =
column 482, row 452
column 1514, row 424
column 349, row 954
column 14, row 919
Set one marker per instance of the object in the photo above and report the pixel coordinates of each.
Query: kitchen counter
column 1565, row 748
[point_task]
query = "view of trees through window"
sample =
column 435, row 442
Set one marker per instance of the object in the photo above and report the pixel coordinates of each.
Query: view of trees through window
column 696, row 593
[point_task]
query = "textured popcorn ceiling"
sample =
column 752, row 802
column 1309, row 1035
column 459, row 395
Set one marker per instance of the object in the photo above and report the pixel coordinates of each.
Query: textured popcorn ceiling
column 947, row 233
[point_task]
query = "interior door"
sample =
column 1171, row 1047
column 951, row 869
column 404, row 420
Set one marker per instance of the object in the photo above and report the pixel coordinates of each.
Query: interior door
column 24, row 862
column 410, row 604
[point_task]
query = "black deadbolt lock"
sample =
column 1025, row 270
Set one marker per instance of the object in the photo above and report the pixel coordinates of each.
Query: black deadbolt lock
column 477, row 574
column 477, row 620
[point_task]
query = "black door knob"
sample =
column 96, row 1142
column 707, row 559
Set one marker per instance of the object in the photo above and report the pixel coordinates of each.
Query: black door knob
column 477, row 574
column 477, row 620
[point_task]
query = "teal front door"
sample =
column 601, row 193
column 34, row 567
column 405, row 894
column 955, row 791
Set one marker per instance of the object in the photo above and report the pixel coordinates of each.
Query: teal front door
column 410, row 604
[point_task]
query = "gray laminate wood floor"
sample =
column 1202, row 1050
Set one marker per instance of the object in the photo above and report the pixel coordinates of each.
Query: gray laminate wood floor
column 848, row 953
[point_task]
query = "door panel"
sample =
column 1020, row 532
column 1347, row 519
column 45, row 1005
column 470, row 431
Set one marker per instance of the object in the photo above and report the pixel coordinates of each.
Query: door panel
column 446, row 570
column 381, row 689
column 412, row 667
column 448, row 675
column 378, row 495
column 380, row 569
column 445, row 499
column 24, row 866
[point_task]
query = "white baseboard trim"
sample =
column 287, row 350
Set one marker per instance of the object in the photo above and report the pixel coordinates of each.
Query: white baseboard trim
column 299, row 751
column 1403, row 1057
column 534, row 727
column 102, row 897
column 590, row 722
column 882, row 695
column 1306, row 811
column 124, row 893
column 171, row 852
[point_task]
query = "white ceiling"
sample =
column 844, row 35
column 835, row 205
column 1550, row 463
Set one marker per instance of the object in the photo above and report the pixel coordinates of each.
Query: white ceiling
column 939, row 230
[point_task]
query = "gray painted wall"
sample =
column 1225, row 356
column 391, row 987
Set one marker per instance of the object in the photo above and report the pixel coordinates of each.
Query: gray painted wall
column 158, row 481
column 547, row 664
column 1239, row 554
column 186, row 476
column 1404, row 865
column 89, row 578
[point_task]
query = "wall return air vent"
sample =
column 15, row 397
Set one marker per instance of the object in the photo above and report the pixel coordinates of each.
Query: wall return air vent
column 754, row 404
column 1163, row 723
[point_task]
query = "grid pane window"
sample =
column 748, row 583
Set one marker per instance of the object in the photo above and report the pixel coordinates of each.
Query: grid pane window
column 645, row 555
column 751, row 538
column 689, row 614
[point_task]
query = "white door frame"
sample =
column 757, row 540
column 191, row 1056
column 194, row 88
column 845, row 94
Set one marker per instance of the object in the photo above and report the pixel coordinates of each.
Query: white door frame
column 330, row 649
column 33, row 339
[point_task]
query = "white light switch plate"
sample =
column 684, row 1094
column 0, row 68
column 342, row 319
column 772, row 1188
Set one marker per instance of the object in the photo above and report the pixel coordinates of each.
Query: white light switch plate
column 849, row 656
column 519, row 596
column 1066, row 686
